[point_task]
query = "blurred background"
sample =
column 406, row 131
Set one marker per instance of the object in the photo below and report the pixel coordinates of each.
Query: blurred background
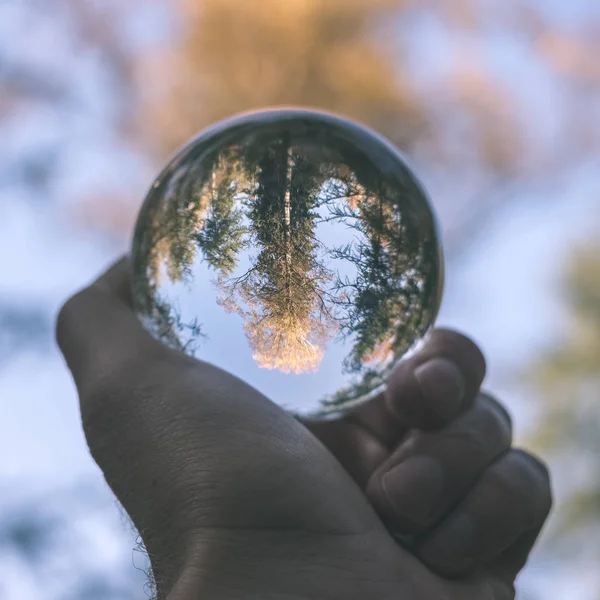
column 497, row 102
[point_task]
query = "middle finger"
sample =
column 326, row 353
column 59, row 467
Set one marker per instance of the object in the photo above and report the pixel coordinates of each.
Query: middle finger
column 430, row 472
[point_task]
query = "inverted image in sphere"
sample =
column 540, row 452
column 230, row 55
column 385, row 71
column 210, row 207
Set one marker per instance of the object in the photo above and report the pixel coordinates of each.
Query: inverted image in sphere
column 294, row 249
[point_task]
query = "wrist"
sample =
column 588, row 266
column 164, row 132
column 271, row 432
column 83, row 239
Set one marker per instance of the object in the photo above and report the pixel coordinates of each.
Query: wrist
column 235, row 565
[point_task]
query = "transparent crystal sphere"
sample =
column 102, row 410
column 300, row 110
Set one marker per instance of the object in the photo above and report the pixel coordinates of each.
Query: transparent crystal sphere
column 296, row 250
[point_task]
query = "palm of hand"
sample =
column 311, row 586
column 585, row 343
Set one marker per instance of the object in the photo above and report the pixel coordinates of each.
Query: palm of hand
column 270, row 512
column 309, row 528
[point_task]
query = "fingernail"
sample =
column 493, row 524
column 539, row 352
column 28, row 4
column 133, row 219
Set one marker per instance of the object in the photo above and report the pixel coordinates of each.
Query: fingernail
column 452, row 549
column 442, row 384
column 413, row 487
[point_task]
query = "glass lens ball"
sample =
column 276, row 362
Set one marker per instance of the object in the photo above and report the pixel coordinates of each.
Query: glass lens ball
column 294, row 249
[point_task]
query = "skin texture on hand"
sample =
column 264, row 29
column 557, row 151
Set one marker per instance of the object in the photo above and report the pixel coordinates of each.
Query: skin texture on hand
column 416, row 496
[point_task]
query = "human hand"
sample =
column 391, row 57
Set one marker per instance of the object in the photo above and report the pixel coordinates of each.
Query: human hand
column 234, row 498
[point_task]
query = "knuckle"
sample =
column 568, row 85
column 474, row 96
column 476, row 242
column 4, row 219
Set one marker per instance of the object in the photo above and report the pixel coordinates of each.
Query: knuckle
column 68, row 311
column 489, row 425
column 476, row 356
column 539, row 478
column 500, row 421
column 456, row 343
column 525, row 480
column 498, row 407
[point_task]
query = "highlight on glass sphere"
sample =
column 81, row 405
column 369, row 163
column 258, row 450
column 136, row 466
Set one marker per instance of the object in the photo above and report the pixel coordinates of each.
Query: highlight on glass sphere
column 294, row 249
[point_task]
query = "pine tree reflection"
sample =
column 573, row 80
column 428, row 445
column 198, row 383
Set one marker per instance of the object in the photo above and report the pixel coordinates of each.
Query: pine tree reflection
column 382, row 305
column 220, row 235
column 282, row 295
column 167, row 251
column 259, row 205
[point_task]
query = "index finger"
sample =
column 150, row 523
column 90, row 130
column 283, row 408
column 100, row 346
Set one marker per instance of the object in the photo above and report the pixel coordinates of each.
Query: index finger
column 427, row 390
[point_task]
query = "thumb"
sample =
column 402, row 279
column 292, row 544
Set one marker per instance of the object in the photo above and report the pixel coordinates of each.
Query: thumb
column 97, row 330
